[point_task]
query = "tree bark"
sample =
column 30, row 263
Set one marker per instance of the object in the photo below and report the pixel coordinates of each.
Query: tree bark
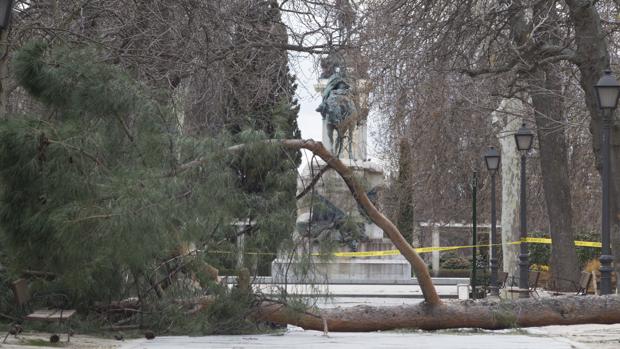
column 529, row 312
column 404, row 184
column 508, row 123
column 4, row 73
column 592, row 57
column 545, row 91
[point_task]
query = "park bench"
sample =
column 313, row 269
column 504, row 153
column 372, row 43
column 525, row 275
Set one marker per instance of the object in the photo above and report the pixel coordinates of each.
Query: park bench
column 584, row 283
column 58, row 314
column 533, row 279
column 502, row 278
column 581, row 289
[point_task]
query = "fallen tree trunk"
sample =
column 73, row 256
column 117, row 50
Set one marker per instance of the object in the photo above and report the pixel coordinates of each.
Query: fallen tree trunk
column 570, row 310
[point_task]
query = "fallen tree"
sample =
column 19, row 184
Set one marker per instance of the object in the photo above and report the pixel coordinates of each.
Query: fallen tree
column 568, row 310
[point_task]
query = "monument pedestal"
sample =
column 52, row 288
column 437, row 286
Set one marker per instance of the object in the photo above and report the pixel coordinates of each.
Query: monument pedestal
column 344, row 269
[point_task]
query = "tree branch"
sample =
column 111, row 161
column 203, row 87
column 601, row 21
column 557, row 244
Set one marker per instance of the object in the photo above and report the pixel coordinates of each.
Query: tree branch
column 313, row 182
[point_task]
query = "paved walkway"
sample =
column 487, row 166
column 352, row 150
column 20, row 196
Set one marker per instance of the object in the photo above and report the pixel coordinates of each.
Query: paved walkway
column 550, row 337
column 467, row 339
column 582, row 336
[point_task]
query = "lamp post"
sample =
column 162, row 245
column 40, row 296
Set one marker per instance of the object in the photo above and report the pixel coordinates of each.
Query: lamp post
column 492, row 160
column 607, row 91
column 5, row 13
column 524, row 138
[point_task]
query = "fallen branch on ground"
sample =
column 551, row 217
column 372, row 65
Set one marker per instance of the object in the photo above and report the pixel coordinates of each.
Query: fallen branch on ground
column 570, row 310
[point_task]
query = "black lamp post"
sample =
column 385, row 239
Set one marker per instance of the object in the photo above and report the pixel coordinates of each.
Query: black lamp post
column 524, row 138
column 5, row 13
column 492, row 160
column 607, row 91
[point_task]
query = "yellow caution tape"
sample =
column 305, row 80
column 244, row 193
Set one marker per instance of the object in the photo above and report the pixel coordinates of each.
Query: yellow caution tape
column 432, row 249
column 451, row 248
column 577, row 243
column 367, row 253
column 588, row 244
column 250, row 253
column 537, row 240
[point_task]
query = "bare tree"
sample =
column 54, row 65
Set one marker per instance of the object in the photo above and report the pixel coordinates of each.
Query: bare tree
column 524, row 49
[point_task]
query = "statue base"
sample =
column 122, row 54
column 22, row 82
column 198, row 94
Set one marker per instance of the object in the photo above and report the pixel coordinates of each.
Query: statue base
column 345, row 269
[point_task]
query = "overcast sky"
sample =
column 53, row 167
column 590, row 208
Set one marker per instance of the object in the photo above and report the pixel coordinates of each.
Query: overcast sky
column 309, row 120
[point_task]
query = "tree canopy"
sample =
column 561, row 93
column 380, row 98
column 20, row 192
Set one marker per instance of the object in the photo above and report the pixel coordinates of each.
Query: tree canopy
column 94, row 189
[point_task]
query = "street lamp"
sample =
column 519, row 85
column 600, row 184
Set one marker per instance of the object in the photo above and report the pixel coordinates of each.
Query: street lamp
column 492, row 160
column 5, row 13
column 607, row 91
column 524, row 138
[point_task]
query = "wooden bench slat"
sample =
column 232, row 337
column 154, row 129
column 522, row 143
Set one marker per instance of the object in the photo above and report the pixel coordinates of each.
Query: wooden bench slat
column 50, row 314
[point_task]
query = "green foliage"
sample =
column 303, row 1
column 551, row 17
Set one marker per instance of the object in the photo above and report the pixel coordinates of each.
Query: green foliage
column 585, row 254
column 453, row 261
column 6, row 299
column 59, row 78
column 229, row 313
column 95, row 192
column 540, row 254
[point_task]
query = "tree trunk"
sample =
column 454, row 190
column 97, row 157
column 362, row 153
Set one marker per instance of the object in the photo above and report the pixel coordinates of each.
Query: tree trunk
column 592, row 57
column 529, row 312
column 545, row 91
column 4, row 73
column 508, row 123
column 404, row 191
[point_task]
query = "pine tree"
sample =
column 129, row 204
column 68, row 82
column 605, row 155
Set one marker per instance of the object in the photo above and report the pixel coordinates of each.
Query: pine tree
column 95, row 192
column 262, row 100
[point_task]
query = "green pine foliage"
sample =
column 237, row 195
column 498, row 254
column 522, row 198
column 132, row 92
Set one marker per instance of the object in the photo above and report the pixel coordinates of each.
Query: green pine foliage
column 263, row 100
column 94, row 192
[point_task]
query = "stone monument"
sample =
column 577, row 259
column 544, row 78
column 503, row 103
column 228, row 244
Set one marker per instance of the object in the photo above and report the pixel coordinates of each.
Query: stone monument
column 328, row 215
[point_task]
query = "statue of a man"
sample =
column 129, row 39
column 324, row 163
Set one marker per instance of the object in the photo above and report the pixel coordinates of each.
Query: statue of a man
column 338, row 109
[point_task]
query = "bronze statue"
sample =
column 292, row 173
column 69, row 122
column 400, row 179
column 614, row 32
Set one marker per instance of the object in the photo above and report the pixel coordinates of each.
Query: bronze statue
column 338, row 109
